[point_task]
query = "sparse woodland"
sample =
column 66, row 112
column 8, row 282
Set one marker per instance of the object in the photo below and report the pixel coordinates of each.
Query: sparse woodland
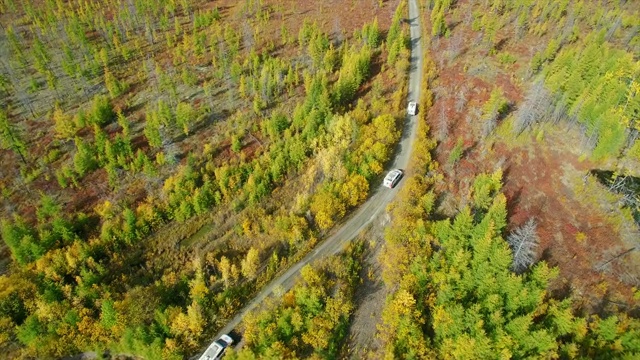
column 465, row 287
column 163, row 160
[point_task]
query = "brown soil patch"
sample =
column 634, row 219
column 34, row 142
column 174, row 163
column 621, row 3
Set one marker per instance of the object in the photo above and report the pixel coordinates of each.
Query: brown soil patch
column 334, row 16
column 541, row 181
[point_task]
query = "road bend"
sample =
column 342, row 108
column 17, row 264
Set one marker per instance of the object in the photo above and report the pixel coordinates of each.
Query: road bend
column 376, row 203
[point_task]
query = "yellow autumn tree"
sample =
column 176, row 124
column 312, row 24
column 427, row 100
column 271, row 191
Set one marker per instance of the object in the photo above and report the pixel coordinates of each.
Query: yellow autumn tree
column 327, row 208
column 187, row 327
column 198, row 286
column 355, row 190
column 64, row 124
column 251, row 263
column 224, row 266
column 105, row 210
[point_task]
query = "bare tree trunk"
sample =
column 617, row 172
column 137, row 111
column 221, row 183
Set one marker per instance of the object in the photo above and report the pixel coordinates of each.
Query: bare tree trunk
column 461, row 99
column 524, row 241
column 599, row 268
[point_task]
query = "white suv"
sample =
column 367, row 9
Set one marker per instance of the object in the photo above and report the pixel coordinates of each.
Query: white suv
column 412, row 109
column 217, row 348
column 392, row 178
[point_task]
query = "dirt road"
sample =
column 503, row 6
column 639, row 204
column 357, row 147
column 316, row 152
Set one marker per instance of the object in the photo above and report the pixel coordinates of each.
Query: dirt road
column 376, row 203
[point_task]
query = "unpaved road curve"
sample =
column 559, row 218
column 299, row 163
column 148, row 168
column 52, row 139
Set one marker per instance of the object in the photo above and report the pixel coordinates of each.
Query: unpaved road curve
column 376, row 203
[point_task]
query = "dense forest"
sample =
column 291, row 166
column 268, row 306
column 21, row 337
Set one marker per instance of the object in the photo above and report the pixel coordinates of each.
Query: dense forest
column 163, row 161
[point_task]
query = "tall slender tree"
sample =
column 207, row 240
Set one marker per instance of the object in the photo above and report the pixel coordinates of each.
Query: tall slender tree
column 10, row 138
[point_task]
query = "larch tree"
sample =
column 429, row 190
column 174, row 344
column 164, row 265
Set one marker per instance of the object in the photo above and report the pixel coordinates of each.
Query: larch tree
column 10, row 138
column 108, row 314
column 152, row 130
column 113, row 85
column 64, row 124
column 492, row 110
column 185, row 116
column 84, row 158
column 250, row 264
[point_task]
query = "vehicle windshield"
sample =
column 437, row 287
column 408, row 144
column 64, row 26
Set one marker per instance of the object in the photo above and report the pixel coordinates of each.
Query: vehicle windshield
column 222, row 343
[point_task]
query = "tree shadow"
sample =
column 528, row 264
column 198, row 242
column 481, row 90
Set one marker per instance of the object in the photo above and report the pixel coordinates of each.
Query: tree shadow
column 608, row 307
column 454, row 25
column 500, row 44
column 561, row 292
column 547, row 257
column 513, row 200
column 511, row 107
column 131, row 110
column 208, row 121
column 467, row 151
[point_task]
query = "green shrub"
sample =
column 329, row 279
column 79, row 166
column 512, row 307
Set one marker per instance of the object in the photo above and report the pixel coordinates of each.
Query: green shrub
column 506, row 58
column 456, row 152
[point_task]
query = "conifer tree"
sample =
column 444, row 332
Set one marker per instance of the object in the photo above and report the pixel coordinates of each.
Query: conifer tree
column 10, row 138
column 152, row 130
column 125, row 124
column 113, row 85
column 16, row 46
column 185, row 116
column 439, row 26
column 108, row 315
column 371, row 34
column 64, row 124
column 492, row 110
column 41, row 57
column 101, row 111
column 83, row 159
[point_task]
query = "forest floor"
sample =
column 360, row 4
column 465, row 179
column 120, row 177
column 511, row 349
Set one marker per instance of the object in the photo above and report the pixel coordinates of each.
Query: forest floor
column 545, row 178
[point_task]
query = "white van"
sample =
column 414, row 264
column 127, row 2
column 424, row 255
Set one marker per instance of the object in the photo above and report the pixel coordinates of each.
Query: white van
column 392, row 178
column 412, row 109
column 217, row 348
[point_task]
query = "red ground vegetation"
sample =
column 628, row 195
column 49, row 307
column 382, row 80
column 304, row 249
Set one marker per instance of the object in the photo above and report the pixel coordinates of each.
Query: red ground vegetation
column 574, row 236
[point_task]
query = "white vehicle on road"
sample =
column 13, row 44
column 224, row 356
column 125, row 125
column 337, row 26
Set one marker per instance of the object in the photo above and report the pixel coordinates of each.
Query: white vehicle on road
column 412, row 109
column 392, row 178
column 217, row 348
column 374, row 206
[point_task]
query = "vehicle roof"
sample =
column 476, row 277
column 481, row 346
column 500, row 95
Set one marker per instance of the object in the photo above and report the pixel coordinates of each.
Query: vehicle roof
column 392, row 174
column 227, row 339
column 212, row 351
